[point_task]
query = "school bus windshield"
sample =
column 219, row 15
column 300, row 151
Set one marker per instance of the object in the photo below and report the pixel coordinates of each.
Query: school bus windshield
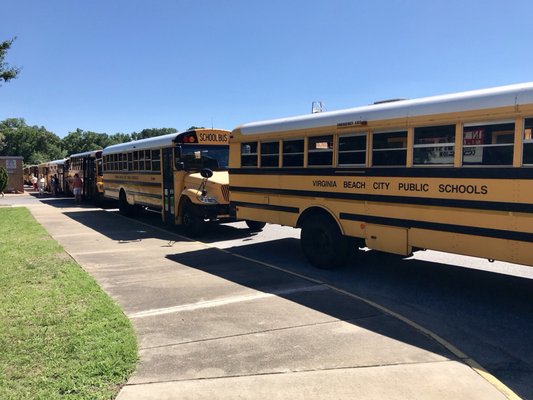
column 197, row 157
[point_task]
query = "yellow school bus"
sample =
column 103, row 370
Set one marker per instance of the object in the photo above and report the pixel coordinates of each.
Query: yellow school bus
column 88, row 166
column 56, row 169
column 29, row 171
column 43, row 170
column 452, row 173
column 183, row 175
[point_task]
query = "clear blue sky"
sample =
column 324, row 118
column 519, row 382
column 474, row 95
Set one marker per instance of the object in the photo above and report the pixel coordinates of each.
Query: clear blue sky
column 124, row 65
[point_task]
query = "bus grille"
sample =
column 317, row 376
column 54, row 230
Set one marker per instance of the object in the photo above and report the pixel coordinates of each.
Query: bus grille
column 225, row 192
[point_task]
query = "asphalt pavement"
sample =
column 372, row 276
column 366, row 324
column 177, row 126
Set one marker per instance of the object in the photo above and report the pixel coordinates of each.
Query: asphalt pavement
column 212, row 325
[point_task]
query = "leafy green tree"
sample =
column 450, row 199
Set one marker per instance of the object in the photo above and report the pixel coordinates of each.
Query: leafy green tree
column 4, row 177
column 80, row 141
column 119, row 138
column 34, row 143
column 148, row 133
column 7, row 73
column 192, row 128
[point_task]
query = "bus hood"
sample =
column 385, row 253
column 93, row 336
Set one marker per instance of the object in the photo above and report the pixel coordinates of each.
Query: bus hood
column 216, row 190
column 219, row 177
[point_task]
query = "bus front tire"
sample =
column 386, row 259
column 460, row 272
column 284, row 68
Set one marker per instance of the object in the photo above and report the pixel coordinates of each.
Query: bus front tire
column 255, row 226
column 192, row 224
column 323, row 244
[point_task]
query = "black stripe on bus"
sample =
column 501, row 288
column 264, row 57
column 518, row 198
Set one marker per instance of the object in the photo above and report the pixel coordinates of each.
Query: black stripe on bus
column 467, row 230
column 130, row 182
column 153, row 173
column 143, row 194
column 153, row 196
column 398, row 172
column 425, row 201
column 268, row 207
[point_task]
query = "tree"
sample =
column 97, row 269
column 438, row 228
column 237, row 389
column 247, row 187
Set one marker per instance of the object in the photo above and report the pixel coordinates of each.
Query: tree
column 7, row 73
column 81, row 141
column 147, row 133
column 34, row 143
column 4, row 177
column 119, row 138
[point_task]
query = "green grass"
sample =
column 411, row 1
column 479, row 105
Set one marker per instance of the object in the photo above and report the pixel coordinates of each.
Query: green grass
column 61, row 336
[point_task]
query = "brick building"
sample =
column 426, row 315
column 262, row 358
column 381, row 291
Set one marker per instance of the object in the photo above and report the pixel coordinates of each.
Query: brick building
column 13, row 165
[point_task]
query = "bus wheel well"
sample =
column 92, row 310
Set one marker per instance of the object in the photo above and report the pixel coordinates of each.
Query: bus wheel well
column 130, row 210
column 184, row 202
column 322, row 240
column 123, row 205
column 311, row 213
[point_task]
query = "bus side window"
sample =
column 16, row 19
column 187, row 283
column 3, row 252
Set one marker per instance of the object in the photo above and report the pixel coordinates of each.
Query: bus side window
column 490, row 144
column 320, row 151
column 249, row 154
column 270, row 154
column 293, row 153
column 135, row 160
column 156, row 162
column 390, row 149
column 528, row 142
column 148, row 160
column 352, row 149
column 434, row 145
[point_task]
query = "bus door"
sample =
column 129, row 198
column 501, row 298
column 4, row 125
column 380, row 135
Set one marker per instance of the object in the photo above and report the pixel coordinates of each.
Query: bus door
column 168, row 186
column 91, row 177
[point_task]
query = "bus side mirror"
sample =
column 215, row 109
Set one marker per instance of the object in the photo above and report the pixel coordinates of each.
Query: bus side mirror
column 180, row 165
column 206, row 173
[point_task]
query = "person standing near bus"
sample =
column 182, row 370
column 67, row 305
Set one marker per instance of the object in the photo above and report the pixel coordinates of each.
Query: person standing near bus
column 42, row 184
column 76, row 188
column 53, row 184
column 34, row 181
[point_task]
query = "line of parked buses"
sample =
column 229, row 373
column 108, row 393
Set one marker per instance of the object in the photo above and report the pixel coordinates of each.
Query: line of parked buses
column 452, row 173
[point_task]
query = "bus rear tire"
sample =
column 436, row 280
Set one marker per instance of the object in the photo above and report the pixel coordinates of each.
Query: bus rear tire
column 123, row 205
column 255, row 226
column 323, row 244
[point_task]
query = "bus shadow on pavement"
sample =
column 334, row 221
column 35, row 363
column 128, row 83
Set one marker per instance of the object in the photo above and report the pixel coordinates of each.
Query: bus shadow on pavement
column 268, row 280
column 121, row 229
column 484, row 314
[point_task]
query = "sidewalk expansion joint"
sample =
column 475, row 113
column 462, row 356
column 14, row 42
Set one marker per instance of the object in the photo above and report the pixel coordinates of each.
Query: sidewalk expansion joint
column 299, row 371
column 286, row 328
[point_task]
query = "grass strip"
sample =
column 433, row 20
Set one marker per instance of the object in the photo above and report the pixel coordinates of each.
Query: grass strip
column 61, row 336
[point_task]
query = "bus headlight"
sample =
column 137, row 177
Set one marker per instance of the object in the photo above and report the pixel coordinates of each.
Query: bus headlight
column 207, row 200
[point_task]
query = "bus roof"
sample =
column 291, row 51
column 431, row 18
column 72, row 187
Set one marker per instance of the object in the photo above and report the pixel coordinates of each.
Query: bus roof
column 143, row 144
column 502, row 96
column 155, row 142
column 91, row 153
column 58, row 162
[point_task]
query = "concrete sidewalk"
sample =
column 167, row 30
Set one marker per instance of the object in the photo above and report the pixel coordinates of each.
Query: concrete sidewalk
column 214, row 326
